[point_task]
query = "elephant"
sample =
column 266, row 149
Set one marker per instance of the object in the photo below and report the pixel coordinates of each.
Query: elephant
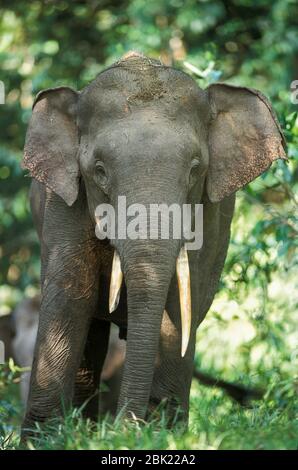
column 6, row 335
column 148, row 132
column 25, row 323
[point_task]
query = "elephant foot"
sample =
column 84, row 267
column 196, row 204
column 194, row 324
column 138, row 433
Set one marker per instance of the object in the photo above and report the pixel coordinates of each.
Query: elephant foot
column 169, row 412
column 29, row 432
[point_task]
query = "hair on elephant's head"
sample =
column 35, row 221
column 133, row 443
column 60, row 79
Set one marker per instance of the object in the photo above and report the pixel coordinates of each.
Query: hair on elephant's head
column 147, row 131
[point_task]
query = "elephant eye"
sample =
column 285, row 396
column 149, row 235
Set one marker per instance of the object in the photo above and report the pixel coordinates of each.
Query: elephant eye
column 194, row 172
column 101, row 176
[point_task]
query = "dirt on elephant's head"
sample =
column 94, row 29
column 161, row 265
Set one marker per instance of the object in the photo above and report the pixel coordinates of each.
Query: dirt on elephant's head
column 138, row 83
column 149, row 85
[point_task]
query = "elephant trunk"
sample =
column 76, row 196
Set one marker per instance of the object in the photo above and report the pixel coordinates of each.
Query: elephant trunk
column 148, row 268
column 148, row 265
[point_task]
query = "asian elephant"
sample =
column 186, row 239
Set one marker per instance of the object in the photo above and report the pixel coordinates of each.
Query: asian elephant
column 148, row 132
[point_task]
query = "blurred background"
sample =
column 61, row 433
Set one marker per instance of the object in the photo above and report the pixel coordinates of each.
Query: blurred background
column 250, row 334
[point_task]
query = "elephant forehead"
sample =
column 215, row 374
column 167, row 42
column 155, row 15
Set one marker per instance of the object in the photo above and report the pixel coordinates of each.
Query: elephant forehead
column 121, row 93
column 143, row 135
column 147, row 128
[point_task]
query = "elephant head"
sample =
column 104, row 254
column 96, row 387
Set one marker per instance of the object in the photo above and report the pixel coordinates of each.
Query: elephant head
column 148, row 132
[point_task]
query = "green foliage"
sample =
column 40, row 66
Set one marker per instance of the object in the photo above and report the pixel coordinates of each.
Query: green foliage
column 249, row 334
column 9, row 403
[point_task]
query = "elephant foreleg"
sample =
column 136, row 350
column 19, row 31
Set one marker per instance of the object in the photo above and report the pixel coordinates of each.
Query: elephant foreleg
column 172, row 375
column 88, row 376
column 62, row 332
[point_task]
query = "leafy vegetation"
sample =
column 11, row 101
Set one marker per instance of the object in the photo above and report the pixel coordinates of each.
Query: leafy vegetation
column 249, row 335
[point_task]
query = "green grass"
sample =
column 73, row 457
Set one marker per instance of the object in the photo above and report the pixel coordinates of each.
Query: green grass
column 216, row 423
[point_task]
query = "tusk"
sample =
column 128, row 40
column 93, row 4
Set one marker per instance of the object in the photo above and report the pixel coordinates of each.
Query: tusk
column 116, row 282
column 183, row 276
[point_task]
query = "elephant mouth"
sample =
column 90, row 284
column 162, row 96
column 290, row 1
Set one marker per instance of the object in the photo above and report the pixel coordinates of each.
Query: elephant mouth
column 183, row 278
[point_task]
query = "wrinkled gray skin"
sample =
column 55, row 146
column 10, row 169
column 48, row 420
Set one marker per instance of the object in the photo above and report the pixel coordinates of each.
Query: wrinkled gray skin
column 146, row 131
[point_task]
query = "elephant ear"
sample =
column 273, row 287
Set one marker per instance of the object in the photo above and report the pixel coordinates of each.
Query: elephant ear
column 52, row 141
column 244, row 138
